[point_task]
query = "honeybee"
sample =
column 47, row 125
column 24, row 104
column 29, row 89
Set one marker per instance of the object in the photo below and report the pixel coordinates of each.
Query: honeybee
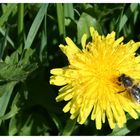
column 129, row 85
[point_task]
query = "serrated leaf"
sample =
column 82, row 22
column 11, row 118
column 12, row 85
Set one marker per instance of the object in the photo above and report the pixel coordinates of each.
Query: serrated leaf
column 30, row 67
column 13, row 73
column 13, row 59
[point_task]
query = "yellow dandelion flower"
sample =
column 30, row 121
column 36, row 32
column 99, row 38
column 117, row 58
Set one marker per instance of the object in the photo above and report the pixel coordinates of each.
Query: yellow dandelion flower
column 90, row 81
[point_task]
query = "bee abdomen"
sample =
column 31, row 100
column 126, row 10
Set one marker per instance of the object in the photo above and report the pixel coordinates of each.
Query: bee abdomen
column 135, row 92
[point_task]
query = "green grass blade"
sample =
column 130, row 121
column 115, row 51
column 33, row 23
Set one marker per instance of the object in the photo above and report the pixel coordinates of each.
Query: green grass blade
column 4, row 100
column 3, row 45
column 43, row 45
column 69, row 10
column 57, row 122
column 7, row 38
column 123, row 21
column 35, row 26
column 61, row 19
column 124, row 17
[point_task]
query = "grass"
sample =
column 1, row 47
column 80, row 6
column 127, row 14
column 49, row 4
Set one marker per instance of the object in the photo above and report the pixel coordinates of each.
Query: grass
column 29, row 38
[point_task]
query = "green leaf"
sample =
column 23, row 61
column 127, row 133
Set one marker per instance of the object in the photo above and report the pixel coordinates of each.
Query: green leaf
column 13, row 59
column 10, row 73
column 10, row 114
column 13, row 129
column 13, row 73
column 12, row 126
column 131, row 125
column 17, row 103
column 69, row 128
column 4, row 100
column 84, row 24
column 8, row 10
column 35, row 26
column 133, row 6
column 27, row 56
column 26, row 129
column 4, row 87
column 128, row 127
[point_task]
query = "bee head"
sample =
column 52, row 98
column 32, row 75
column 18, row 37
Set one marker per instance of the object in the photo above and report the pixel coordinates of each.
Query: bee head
column 121, row 77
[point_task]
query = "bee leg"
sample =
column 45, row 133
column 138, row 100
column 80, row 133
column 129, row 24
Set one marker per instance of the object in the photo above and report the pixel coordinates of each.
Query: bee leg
column 122, row 91
column 118, row 83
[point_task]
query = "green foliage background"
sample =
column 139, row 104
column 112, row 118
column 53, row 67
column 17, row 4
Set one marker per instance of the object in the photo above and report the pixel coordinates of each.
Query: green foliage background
column 29, row 38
